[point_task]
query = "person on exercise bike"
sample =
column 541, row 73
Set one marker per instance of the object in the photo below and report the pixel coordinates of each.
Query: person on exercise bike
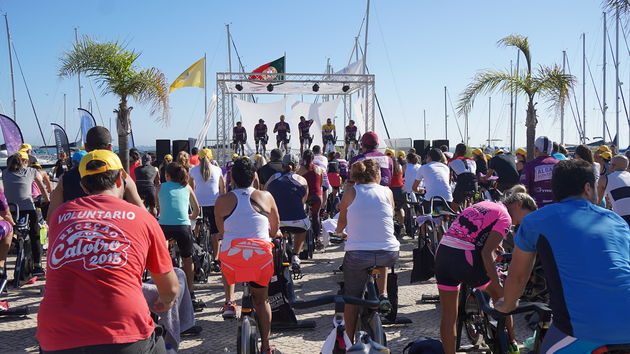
column 6, row 233
column 467, row 252
column 100, row 246
column 464, row 171
column 239, row 135
column 350, row 136
column 247, row 218
column 18, row 180
column 261, row 137
column 329, row 134
column 585, row 254
column 366, row 212
column 282, row 129
column 306, row 140
column 314, row 175
column 147, row 178
column 290, row 193
column 369, row 143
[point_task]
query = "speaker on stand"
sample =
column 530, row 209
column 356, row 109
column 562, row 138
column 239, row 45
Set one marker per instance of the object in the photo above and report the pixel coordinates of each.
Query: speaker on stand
column 162, row 147
column 180, row 145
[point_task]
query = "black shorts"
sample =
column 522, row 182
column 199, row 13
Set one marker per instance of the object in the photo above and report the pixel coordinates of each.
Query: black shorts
column 466, row 184
column 282, row 139
column 305, row 137
column 399, row 197
column 239, row 141
column 454, row 266
column 261, row 138
column 182, row 234
column 437, row 205
column 208, row 214
column 349, row 140
column 147, row 194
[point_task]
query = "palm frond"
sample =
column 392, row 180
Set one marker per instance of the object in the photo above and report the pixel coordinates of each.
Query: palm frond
column 552, row 85
column 611, row 6
column 151, row 88
column 522, row 43
column 487, row 81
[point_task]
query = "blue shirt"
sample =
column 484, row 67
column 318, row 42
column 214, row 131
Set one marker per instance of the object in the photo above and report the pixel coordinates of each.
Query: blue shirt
column 558, row 156
column 174, row 204
column 585, row 254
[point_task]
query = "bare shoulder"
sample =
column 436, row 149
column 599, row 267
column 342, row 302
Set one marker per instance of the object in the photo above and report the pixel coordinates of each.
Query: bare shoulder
column 300, row 179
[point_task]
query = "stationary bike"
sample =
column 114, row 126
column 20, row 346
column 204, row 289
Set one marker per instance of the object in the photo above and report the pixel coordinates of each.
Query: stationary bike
column 24, row 263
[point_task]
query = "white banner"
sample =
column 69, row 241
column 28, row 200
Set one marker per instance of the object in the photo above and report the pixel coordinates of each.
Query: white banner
column 318, row 112
column 201, row 138
column 269, row 112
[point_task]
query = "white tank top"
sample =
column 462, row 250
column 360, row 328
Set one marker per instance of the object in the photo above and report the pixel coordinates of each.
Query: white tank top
column 371, row 220
column 411, row 171
column 245, row 222
column 618, row 190
column 206, row 192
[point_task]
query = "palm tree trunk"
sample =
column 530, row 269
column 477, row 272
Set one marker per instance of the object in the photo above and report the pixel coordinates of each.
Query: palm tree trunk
column 124, row 129
column 530, row 124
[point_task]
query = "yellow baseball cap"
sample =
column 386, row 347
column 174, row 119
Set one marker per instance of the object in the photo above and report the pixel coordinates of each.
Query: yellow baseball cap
column 390, row 152
column 488, row 156
column 477, row 152
column 520, row 151
column 111, row 160
column 234, row 156
column 26, row 146
column 497, row 151
column 606, row 155
column 603, row 148
column 22, row 155
column 168, row 157
column 205, row 153
column 401, row 153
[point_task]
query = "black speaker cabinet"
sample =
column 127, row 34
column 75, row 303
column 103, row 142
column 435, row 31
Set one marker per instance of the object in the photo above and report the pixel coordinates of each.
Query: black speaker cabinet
column 162, row 147
column 180, row 145
column 437, row 143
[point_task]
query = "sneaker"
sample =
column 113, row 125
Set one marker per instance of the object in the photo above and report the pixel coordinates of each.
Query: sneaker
column 198, row 305
column 271, row 350
column 384, row 305
column 192, row 331
column 229, row 310
column 513, row 348
column 38, row 271
column 295, row 260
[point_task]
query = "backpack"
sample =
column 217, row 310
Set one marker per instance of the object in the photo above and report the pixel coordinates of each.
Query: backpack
column 203, row 263
column 424, row 345
column 423, row 262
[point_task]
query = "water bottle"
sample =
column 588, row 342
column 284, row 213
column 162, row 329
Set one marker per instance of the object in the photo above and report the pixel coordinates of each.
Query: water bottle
column 169, row 349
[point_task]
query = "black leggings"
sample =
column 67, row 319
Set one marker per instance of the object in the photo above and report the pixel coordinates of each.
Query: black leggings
column 33, row 232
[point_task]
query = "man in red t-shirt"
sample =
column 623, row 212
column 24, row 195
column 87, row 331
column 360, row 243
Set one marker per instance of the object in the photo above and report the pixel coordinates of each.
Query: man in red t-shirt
column 99, row 246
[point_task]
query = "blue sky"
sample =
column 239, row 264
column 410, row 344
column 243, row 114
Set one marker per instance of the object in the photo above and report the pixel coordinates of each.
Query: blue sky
column 415, row 49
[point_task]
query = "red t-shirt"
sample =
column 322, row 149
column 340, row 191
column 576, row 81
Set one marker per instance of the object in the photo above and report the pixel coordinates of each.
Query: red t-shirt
column 132, row 169
column 194, row 160
column 99, row 246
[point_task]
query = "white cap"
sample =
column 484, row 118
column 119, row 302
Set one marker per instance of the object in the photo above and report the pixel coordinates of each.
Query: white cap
column 544, row 145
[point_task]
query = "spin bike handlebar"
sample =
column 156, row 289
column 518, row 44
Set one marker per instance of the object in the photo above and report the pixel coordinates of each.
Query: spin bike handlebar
column 542, row 309
column 446, row 205
column 337, row 299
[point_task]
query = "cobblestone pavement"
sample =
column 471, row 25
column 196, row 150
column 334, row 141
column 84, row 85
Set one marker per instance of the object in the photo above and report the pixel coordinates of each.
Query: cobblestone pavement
column 219, row 336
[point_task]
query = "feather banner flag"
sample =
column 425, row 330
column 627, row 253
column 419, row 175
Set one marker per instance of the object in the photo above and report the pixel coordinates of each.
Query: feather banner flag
column 194, row 76
column 87, row 123
column 12, row 134
column 61, row 139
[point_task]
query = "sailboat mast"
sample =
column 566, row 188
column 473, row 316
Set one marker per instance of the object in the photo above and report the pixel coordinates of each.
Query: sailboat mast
column 64, row 111
column 229, row 49
column 604, row 107
column 205, row 86
column 76, row 38
column 424, row 114
column 489, row 119
column 583, row 88
column 6, row 21
column 365, row 49
column 616, row 58
column 564, row 63
column 518, row 63
column 445, row 117
column 511, row 112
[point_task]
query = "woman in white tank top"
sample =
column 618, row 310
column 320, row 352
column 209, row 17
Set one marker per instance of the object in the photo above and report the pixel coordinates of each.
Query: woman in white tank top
column 247, row 213
column 366, row 212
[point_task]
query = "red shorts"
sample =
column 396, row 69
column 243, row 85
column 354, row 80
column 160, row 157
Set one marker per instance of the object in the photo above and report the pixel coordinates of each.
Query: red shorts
column 248, row 260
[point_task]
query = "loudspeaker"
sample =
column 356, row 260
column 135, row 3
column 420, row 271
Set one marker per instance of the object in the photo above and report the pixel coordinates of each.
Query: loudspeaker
column 192, row 142
column 422, row 147
column 162, row 147
column 437, row 143
column 180, row 145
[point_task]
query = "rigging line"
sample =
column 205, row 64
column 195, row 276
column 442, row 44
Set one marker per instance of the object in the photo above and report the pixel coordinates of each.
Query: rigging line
column 98, row 107
column 240, row 63
column 579, row 124
column 577, row 121
column 599, row 102
column 391, row 69
column 499, row 121
column 616, row 78
column 448, row 94
column 367, row 70
column 28, row 92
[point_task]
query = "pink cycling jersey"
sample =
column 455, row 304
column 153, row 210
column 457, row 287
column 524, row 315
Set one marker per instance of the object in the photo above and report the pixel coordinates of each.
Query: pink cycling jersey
column 473, row 225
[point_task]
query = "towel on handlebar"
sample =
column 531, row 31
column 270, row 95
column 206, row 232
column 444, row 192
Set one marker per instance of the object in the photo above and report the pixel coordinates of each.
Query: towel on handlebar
column 179, row 317
column 420, row 220
column 329, row 343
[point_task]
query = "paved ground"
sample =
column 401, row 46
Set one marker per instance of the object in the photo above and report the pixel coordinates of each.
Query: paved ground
column 219, row 336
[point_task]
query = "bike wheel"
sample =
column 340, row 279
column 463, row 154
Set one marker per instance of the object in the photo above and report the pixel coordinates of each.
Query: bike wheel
column 473, row 321
column 247, row 337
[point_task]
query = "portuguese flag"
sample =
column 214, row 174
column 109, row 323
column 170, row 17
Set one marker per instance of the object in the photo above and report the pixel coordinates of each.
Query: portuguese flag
column 269, row 71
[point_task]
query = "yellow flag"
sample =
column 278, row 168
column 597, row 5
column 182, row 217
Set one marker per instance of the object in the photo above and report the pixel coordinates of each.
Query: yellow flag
column 194, row 76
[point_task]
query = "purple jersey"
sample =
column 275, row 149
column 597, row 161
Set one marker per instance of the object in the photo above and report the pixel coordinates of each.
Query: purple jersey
column 385, row 163
column 260, row 129
column 351, row 132
column 282, row 128
column 4, row 206
column 239, row 133
column 536, row 177
column 304, row 127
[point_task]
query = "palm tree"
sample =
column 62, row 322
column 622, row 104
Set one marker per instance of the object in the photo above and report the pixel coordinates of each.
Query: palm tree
column 613, row 5
column 548, row 82
column 113, row 68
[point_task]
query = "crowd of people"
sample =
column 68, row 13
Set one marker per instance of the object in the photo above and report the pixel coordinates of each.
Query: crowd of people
column 108, row 225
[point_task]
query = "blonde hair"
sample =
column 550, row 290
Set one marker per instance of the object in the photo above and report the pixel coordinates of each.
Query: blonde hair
column 518, row 193
column 204, row 166
column 183, row 159
column 363, row 172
